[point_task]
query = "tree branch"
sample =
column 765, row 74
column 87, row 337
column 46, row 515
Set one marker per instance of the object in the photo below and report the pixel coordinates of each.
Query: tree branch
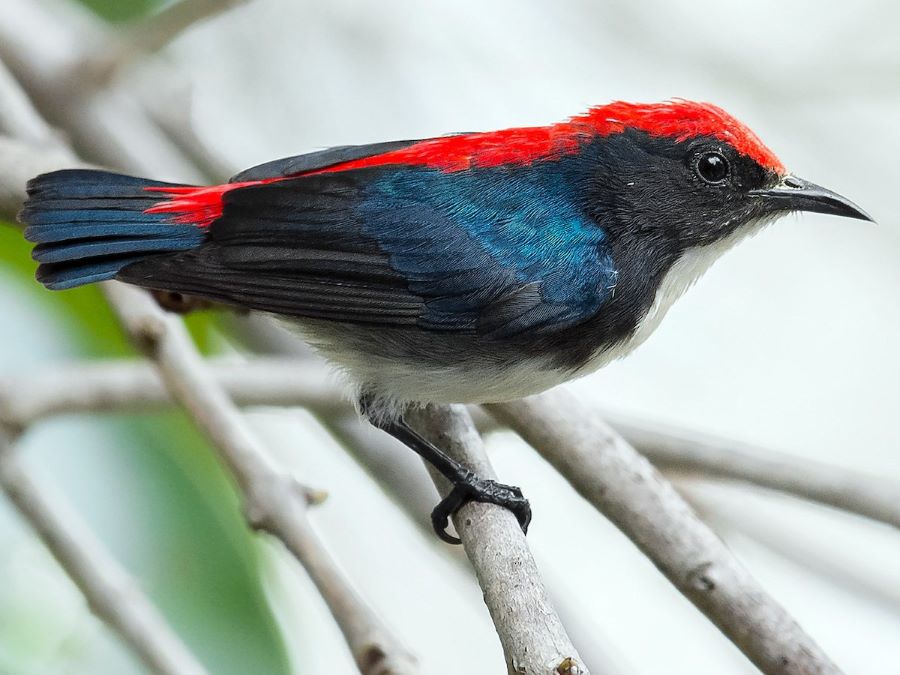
column 308, row 383
column 17, row 116
column 144, row 36
column 626, row 488
column 40, row 41
column 682, row 450
column 534, row 640
column 273, row 501
column 117, row 386
column 795, row 541
column 110, row 592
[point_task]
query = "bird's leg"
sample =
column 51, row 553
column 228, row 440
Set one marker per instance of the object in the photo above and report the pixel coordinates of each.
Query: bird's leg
column 467, row 486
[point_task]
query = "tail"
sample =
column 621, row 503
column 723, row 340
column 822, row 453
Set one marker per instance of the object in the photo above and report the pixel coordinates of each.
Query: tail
column 87, row 225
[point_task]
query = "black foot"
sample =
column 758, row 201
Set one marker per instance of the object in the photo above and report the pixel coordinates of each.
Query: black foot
column 475, row 489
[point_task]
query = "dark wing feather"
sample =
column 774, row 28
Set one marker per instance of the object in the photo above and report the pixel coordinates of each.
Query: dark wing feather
column 315, row 161
column 293, row 248
column 405, row 248
column 204, row 273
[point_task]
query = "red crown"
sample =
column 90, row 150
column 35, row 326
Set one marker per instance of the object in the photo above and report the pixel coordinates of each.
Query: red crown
column 680, row 120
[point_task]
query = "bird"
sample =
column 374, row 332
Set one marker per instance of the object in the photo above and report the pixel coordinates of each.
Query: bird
column 468, row 268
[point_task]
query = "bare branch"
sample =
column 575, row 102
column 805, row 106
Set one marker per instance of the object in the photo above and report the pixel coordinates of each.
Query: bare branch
column 17, row 116
column 126, row 385
column 18, row 163
column 112, row 594
column 679, row 449
column 273, row 501
column 811, row 548
column 534, row 640
column 116, row 386
column 153, row 33
column 308, row 383
column 626, row 488
column 144, row 36
column 38, row 42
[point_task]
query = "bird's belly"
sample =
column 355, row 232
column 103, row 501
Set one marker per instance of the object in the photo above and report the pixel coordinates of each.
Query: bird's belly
column 403, row 367
column 482, row 384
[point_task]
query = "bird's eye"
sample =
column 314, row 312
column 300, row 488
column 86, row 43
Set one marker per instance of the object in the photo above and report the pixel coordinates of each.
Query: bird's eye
column 711, row 167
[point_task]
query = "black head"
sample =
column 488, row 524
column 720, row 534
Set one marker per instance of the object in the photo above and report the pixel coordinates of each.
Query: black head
column 679, row 194
column 664, row 180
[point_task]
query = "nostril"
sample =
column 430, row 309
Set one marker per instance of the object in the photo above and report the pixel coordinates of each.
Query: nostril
column 792, row 182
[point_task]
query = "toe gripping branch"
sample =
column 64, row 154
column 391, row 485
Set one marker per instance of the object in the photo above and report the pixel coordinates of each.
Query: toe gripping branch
column 467, row 486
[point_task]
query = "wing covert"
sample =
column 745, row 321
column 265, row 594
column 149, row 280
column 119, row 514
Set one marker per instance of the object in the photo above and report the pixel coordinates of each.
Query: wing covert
column 400, row 247
column 315, row 161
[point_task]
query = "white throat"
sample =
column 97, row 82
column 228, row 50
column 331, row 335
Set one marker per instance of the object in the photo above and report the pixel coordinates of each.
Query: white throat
column 680, row 277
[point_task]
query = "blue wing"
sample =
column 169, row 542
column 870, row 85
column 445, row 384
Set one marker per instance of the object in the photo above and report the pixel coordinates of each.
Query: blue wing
column 491, row 250
column 487, row 251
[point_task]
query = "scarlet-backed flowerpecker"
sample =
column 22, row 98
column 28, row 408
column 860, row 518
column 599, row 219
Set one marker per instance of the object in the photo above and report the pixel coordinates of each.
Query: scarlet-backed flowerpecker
column 470, row 268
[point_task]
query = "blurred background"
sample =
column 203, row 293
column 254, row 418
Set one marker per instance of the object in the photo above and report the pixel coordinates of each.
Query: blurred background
column 790, row 341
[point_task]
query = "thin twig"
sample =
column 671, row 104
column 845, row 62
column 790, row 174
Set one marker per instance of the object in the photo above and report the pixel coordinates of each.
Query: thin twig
column 126, row 386
column 846, row 489
column 273, row 501
column 17, row 116
column 112, row 594
column 40, row 41
column 21, row 161
column 135, row 40
column 534, row 640
column 811, row 548
column 626, row 488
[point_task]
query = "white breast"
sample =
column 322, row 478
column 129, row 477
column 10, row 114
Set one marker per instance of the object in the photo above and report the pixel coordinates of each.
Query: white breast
column 682, row 275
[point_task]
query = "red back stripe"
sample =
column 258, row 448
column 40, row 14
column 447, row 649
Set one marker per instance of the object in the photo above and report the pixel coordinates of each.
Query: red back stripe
column 678, row 119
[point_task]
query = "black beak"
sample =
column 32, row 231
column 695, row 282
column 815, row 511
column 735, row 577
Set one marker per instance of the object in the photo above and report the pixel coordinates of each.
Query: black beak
column 796, row 194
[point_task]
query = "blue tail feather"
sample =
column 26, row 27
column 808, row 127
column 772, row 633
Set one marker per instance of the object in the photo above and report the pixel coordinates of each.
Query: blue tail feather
column 87, row 225
column 61, row 277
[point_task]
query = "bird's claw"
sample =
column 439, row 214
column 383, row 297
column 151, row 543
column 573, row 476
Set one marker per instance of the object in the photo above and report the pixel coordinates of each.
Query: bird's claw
column 475, row 489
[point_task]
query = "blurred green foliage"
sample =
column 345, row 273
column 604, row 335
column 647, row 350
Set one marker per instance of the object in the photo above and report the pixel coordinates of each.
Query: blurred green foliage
column 121, row 10
column 203, row 573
